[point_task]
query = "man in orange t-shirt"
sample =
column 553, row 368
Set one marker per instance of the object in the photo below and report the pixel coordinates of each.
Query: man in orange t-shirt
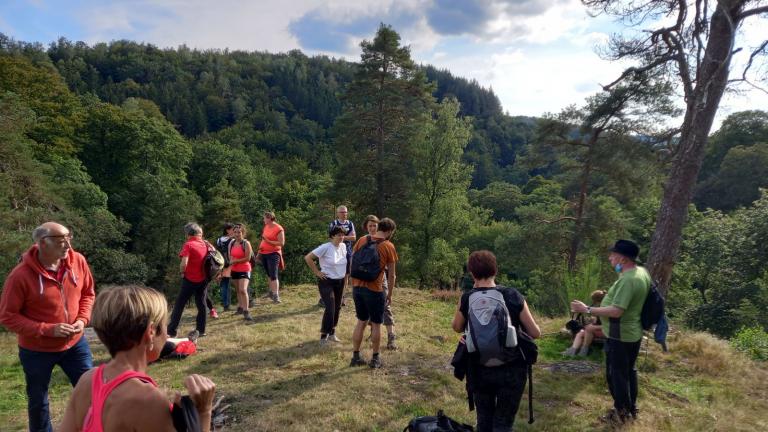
column 369, row 296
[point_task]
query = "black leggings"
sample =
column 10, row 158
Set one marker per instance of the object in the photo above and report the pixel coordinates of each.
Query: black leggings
column 188, row 289
column 497, row 392
column 331, row 291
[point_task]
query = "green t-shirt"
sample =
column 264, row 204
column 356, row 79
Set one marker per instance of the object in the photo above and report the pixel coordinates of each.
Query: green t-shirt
column 628, row 293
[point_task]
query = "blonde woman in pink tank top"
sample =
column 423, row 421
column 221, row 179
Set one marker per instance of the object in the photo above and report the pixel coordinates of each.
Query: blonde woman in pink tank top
column 119, row 395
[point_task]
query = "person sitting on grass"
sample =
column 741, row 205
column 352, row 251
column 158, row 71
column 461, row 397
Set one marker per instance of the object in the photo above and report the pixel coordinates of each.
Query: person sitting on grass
column 131, row 322
column 584, row 338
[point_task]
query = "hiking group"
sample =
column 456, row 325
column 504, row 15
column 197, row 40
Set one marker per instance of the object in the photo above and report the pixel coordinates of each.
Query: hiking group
column 49, row 298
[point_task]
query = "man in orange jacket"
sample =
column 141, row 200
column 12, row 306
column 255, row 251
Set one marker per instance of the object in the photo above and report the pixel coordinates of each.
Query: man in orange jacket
column 46, row 301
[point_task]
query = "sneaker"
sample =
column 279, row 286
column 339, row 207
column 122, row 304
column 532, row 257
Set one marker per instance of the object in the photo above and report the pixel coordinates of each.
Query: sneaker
column 583, row 352
column 193, row 335
column 333, row 338
column 247, row 316
column 214, row 314
column 321, row 303
column 391, row 345
column 276, row 299
column 375, row 363
column 324, row 341
column 570, row 352
column 226, row 309
column 239, row 311
column 357, row 361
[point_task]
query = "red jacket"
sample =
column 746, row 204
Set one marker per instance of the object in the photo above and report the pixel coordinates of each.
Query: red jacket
column 33, row 302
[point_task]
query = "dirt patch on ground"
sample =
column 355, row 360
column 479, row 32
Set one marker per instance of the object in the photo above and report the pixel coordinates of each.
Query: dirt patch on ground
column 574, row 367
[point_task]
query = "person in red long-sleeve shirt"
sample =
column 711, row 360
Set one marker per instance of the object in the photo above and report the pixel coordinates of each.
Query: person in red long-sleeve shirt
column 46, row 301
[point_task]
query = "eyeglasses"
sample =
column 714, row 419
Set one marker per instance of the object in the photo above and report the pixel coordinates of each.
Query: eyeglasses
column 63, row 237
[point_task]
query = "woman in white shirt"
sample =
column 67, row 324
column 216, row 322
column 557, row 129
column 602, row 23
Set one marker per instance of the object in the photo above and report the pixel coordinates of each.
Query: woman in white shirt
column 330, row 280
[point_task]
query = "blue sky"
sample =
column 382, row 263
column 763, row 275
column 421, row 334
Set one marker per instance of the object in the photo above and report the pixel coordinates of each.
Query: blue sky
column 537, row 55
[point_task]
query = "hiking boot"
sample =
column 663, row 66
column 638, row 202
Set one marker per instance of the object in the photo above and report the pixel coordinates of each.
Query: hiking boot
column 615, row 418
column 321, row 303
column 583, row 352
column 214, row 314
column 239, row 311
column 375, row 363
column 570, row 352
column 247, row 316
column 357, row 361
column 391, row 345
column 333, row 338
column 193, row 335
column 276, row 299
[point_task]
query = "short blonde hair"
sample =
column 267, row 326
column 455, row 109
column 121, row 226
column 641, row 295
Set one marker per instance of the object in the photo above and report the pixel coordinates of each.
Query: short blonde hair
column 270, row 215
column 122, row 314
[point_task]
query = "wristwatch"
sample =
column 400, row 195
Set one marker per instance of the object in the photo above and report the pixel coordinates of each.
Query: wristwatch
column 589, row 310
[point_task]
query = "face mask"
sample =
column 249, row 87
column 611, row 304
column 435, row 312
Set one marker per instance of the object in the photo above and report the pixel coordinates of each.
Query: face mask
column 617, row 268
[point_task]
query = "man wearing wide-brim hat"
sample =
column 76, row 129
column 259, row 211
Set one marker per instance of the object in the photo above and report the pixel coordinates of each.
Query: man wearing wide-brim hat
column 622, row 306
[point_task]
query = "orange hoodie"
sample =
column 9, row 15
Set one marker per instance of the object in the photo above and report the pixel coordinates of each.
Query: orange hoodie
column 33, row 302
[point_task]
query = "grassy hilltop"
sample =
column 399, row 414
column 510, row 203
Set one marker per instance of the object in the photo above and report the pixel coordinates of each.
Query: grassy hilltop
column 277, row 377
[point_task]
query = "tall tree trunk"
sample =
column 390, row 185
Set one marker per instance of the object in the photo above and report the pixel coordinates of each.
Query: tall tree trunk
column 700, row 113
column 579, row 225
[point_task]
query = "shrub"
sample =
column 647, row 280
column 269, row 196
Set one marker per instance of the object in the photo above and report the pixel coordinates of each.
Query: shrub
column 752, row 341
column 111, row 266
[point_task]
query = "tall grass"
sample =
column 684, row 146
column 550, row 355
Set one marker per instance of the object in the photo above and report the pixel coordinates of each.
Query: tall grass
column 580, row 283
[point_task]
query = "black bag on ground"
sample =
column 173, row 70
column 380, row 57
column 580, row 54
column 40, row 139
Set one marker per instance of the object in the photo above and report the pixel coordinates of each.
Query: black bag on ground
column 366, row 263
column 653, row 307
column 576, row 324
column 437, row 423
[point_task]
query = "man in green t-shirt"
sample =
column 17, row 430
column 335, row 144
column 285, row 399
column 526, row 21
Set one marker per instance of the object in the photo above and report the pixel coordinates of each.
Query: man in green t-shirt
column 622, row 306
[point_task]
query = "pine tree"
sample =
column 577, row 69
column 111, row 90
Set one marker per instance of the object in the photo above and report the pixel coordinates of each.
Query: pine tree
column 386, row 107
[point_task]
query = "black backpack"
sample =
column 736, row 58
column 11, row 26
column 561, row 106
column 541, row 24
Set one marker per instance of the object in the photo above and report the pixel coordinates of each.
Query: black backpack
column 366, row 263
column 213, row 262
column 437, row 423
column 653, row 307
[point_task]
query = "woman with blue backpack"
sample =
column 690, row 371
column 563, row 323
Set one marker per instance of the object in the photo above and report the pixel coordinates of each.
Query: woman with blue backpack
column 491, row 316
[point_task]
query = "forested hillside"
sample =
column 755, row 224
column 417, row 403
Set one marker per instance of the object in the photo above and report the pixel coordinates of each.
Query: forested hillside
column 125, row 142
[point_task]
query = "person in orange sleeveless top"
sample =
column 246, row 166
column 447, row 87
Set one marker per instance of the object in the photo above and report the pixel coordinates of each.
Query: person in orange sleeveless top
column 240, row 252
column 119, row 395
column 271, row 253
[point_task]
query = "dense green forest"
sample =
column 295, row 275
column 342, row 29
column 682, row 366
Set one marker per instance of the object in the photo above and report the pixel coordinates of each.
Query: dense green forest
column 125, row 142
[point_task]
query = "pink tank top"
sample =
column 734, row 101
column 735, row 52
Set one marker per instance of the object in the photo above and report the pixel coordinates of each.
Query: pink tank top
column 100, row 392
column 237, row 252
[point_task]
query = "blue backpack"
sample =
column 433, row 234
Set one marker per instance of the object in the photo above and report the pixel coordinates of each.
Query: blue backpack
column 366, row 263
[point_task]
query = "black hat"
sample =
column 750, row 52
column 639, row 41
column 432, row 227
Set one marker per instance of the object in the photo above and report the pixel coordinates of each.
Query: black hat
column 628, row 248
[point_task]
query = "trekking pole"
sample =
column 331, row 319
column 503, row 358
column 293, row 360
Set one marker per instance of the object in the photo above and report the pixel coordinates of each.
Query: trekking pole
column 530, row 394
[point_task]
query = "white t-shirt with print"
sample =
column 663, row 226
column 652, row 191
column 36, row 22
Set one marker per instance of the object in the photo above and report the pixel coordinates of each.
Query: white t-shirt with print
column 333, row 259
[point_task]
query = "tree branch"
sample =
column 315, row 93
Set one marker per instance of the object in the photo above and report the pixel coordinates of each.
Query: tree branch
column 638, row 70
column 558, row 220
column 755, row 53
column 755, row 11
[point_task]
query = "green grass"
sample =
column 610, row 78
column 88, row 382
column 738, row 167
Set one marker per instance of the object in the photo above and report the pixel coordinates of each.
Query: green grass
column 277, row 377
